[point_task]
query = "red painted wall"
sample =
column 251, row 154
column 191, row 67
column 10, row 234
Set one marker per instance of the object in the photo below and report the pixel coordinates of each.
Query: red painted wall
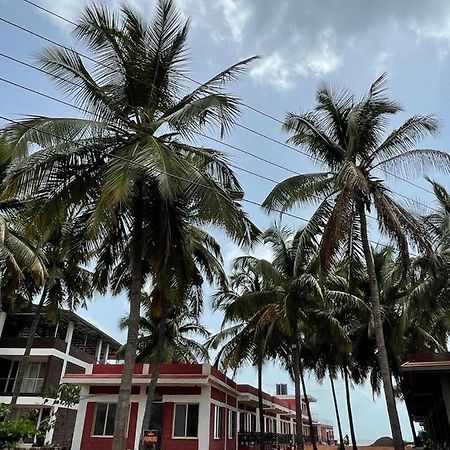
column 231, row 400
column 111, row 390
column 217, row 394
column 104, row 443
column 174, row 444
column 114, row 368
column 180, row 368
column 178, row 390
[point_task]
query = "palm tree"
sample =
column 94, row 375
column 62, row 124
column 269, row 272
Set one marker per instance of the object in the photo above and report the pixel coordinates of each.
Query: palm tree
column 21, row 265
column 67, row 282
column 244, row 338
column 346, row 136
column 180, row 347
column 283, row 302
column 130, row 162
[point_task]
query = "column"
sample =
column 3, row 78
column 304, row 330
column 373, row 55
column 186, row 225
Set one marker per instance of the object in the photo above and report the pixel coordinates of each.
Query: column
column 79, row 422
column 106, row 355
column 204, row 415
column 69, row 335
column 98, row 350
column 2, row 321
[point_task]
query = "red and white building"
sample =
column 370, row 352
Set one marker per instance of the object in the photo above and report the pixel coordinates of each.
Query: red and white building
column 197, row 408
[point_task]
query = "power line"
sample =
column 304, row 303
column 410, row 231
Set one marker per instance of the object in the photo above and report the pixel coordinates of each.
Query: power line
column 239, row 149
column 130, row 161
column 252, row 108
column 242, row 169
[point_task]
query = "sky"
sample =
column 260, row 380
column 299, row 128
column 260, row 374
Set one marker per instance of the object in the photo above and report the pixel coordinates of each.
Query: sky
column 301, row 44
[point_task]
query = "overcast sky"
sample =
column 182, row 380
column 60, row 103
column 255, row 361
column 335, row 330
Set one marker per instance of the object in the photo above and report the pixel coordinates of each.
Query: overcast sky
column 301, row 43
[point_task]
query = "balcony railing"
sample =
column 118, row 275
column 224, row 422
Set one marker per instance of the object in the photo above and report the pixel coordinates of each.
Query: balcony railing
column 253, row 439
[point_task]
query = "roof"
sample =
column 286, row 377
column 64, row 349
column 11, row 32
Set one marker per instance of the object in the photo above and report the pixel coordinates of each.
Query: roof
column 66, row 315
column 427, row 362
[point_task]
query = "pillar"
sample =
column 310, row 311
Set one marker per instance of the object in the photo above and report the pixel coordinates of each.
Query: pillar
column 204, row 416
column 2, row 321
column 69, row 335
column 98, row 350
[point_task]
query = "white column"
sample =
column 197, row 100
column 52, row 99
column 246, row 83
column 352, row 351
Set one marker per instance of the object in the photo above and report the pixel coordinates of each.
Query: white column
column 98, row 350
column 79, row 422
column 2, row 321
column 106, row 356
column 69, row 335
column 49, row 433
column 204, row 415
column 258, row 422
column 278, row 419
column 140, row 417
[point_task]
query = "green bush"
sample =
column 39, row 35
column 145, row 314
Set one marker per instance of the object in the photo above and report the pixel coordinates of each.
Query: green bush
column 13, row 431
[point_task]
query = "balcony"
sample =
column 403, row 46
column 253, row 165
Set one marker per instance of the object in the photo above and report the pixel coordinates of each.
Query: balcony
column 38, row 342
column 271, row 440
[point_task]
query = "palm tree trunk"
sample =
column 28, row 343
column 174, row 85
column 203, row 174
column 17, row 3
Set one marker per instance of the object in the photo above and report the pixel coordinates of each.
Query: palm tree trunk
column 262, row 442
column 123, row 403
column 299, row 442
column 26, row 356
column 382, row 355
column 308, row 409
column 336, row 409
column 349, row 409
column 156, row 367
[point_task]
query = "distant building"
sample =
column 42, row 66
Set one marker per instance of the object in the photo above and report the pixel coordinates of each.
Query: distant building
column 70, row 345
column 197, row 408
column 426, row 388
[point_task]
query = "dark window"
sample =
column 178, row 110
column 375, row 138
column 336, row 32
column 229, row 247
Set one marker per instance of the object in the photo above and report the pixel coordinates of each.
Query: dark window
column 105, row 414
column 8, row 371
column 186, row 421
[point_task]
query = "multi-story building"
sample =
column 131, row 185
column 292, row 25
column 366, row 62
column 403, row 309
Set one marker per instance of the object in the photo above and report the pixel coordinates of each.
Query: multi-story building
column 68, row 345
column 197, row 408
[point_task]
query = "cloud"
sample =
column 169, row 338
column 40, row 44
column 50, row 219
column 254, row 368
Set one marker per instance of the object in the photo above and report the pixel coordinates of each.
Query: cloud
column 307, row 38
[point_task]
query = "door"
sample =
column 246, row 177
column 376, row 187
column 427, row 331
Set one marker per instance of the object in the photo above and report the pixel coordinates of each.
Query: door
column 156, row 422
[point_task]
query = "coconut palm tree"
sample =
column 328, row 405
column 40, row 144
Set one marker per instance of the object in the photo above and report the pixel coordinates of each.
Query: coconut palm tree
column 21, row 264
column 244, row 338
column 182, row 329
column 347, row 136
column 283, row 302
column 67, row 283
column 131, row 161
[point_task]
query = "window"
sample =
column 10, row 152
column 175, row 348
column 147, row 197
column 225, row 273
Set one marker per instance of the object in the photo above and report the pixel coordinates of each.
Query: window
column 218, row 422
column 33, row 379
column 105, row 414
column 251, row 422
column 186, row 421
column 8, row 371
column 232, row 416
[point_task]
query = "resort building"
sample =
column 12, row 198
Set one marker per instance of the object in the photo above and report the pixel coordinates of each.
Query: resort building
column 426, row 388
column 197, row 408
column 68, row 345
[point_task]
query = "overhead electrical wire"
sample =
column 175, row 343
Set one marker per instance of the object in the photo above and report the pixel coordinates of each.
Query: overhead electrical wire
column 262, row 113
